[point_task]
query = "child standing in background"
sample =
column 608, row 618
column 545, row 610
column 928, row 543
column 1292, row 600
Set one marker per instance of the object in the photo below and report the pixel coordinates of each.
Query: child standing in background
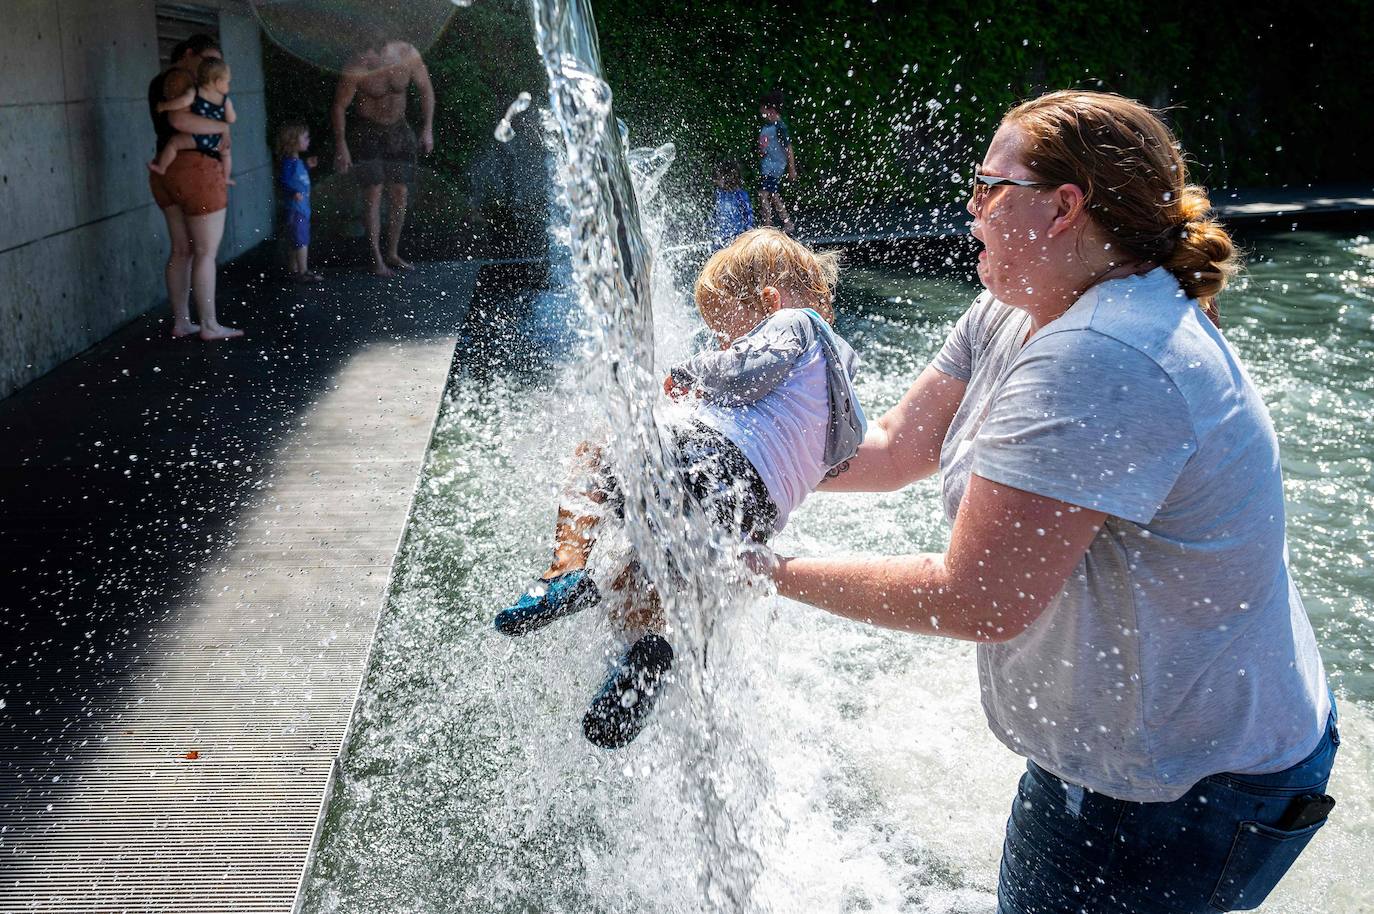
column 775, row 160
column 293, row 177
column 734, row 215
column 209, row 98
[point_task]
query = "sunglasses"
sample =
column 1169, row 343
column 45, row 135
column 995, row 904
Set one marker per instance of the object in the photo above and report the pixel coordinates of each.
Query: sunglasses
column 983, row 185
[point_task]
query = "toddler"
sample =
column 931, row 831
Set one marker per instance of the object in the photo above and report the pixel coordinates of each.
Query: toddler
column 293, row 177
column 209, row 98
column 733, row 215
column 775, row 160
column 770, row 412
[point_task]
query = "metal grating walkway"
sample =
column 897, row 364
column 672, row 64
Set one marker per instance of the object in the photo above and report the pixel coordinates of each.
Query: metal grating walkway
column 195, row 543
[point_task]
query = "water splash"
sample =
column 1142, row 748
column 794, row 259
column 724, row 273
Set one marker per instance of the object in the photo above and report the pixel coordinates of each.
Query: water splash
column 681, row 553
column 504, row 131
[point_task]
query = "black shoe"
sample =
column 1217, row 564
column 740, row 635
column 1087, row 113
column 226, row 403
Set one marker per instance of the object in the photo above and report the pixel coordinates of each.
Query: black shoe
column 627, row 698
column 548, row 600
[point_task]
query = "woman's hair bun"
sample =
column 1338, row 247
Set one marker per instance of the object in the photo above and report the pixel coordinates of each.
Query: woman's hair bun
column 1204, row 257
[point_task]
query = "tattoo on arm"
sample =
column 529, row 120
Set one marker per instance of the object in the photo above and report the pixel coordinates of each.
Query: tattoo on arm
column 835, row 471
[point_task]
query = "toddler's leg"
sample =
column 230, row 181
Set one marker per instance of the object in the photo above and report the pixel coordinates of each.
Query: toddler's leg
column 565, row 588
column 765, row 209
column 579, row 512
column 180, row 142
column 637, row 609
column 622, row 706
column 782, row 213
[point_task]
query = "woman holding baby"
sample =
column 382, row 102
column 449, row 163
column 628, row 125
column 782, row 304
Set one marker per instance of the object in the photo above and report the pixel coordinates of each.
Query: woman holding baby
column 191, row 187
column 1118, row 547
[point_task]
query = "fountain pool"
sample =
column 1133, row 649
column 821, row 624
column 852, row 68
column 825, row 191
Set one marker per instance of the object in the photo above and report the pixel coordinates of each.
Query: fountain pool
column 871, row 781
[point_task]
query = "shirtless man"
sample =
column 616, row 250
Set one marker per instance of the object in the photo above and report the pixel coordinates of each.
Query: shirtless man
column 378, row 144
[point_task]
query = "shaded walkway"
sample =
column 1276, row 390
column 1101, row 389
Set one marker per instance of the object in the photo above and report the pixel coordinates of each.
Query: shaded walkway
column 195, row 541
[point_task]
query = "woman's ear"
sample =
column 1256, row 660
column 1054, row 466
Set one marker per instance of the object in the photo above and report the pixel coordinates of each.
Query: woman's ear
column 772, row 299
column 1069, row 201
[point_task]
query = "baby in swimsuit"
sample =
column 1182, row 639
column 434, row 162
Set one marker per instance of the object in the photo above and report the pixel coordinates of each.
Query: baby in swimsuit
column 210, row 99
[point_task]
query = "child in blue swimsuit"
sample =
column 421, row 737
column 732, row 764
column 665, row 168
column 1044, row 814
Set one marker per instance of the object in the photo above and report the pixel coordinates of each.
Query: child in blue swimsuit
column 293, row 181
column 733, row 214
column 772, row 411
column 209, row 99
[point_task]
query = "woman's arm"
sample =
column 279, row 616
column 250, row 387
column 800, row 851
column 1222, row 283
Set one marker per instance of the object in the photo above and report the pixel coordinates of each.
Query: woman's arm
column 904, row 445
column 186, row 122
column 178, row 102
column 1009, row 555
column 177, row 85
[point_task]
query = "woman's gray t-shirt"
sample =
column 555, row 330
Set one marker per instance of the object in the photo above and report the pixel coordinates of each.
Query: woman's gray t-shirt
column 1179, row 647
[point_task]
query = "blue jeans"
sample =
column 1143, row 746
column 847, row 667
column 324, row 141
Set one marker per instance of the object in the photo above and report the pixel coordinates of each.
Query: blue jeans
column 1072, row 851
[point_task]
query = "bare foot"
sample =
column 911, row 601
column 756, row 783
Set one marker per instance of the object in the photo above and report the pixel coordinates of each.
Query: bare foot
column 230, row 182
column 181, row 330
column 219, row 332
column 382, row 270
column 156, row 168
column 393, row 260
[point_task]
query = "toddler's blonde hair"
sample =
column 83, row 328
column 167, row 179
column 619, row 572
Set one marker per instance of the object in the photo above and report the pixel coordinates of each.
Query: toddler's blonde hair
column 735, row 275
column 289, row 139
column 211, row 69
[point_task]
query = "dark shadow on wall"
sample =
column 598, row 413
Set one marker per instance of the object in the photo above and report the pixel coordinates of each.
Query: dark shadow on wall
column 473, row 196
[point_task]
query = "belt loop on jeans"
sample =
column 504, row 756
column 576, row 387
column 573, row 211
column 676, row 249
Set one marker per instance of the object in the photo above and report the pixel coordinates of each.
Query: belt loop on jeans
column 1073, row 798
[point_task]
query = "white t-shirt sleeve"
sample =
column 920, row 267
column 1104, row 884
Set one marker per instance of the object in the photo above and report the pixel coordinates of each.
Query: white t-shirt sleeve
column 955, row 357
column 1090, row 421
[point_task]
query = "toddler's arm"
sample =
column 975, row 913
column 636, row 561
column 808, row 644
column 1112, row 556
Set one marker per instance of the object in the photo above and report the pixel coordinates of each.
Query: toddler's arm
column 292, row 177
column 753, row 365
column 229, row 115
column 177, row 103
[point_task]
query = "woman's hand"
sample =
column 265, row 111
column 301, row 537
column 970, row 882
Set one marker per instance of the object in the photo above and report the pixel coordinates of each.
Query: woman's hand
column 342, row 160
column 1009, row 555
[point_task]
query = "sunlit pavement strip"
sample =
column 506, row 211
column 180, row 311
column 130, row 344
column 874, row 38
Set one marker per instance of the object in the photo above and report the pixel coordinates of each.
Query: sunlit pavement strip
column 181, row 759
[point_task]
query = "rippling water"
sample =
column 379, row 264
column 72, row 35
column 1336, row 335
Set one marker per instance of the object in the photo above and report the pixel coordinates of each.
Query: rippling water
column 869, row 778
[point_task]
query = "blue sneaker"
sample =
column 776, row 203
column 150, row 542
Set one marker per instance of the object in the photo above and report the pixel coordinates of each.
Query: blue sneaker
column 564, row 595
column 621, row 709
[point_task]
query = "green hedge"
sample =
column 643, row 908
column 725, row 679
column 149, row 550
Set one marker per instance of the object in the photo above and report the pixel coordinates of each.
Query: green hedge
column 1263, row 93
column 888, row 101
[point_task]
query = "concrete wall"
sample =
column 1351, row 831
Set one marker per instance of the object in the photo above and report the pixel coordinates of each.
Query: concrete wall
column 81, row 242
